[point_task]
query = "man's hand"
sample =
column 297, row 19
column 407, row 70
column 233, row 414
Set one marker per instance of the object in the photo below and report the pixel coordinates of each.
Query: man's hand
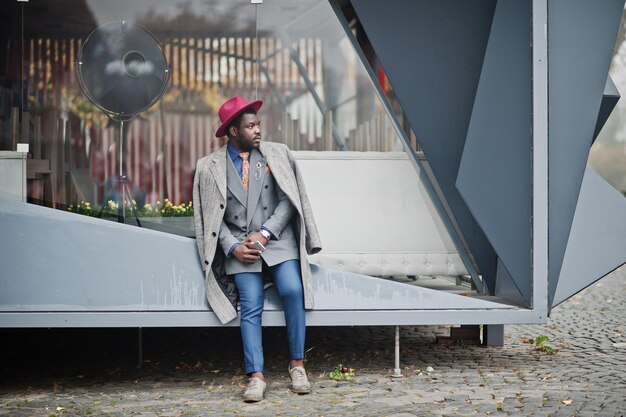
column 246, row 254
column 250, row 239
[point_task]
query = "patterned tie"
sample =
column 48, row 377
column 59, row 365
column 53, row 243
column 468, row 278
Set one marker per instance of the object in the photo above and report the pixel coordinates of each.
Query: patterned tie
column 245, row 169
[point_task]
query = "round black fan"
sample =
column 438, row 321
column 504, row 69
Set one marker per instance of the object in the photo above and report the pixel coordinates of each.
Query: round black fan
column 122, row 69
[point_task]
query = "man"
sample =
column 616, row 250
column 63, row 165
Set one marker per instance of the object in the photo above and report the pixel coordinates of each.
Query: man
column 249, row 195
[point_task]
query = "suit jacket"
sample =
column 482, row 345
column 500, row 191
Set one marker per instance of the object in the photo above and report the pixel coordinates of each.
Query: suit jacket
column 264, row 205
column 210, row 194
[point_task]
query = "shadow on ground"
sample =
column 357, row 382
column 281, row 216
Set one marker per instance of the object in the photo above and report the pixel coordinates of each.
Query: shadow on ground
column 43, row 357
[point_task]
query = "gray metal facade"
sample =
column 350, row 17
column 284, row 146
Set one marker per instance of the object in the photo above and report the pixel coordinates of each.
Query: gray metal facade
column 494, row 174
column 433, row 52
column 581, row 37
column 505, row 124
column 484, row 158
column 94, row 272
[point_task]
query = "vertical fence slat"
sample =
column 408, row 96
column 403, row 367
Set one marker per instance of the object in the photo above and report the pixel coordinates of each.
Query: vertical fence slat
column 136, row 151
column 161, row 132
column 208, row 62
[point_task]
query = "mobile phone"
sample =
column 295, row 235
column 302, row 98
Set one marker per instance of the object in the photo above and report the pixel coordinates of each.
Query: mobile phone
column 258, row 245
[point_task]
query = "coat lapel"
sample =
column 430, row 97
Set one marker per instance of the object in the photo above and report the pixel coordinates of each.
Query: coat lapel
column 270, row 156
column 234, row 182
column 257, row 175
column 282, row 172
column 218, row 169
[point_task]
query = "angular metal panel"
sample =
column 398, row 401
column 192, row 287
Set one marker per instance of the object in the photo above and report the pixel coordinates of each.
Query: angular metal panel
column 53, row 261
column 58, row 261
column 507, row 288
column 494, row 175
column 597, row 242
column 340, row 290
column 432, row 52
column 581, row 36
column 609, row 100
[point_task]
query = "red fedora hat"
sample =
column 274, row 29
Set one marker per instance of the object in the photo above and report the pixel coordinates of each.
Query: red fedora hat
column 232, row 108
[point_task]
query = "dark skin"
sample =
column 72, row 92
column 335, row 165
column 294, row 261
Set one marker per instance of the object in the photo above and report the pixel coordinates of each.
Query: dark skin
column 245, row 138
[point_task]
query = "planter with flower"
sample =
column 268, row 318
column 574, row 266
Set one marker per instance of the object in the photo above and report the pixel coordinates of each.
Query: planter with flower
column 162, row 216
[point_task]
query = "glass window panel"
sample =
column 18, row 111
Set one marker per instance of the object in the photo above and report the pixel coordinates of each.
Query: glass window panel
column 374, row 212
column 318, row 96
column 608, row 153
column 316, row 85
column 74, row 155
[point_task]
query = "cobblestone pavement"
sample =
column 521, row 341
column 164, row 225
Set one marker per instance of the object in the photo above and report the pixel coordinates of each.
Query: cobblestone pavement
column 194, row 372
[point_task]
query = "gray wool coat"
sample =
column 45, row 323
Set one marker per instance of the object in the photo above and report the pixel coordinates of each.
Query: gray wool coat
column 209, row 201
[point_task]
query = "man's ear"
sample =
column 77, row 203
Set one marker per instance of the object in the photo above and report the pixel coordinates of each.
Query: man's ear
column 233, row 131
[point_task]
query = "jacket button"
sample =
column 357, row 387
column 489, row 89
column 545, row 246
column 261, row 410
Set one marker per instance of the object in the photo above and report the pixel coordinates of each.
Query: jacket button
column 236, row 217
column 214, row 234
column 266, row 186
column 221, row 206
column 230, row 198
column 206, row 262
column 265, row 208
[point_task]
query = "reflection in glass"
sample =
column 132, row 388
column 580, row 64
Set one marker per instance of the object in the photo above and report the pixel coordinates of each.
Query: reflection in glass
column 295, row 56
column 318, row 95
column 608, row 153
column 122, row 69
column 326, row 100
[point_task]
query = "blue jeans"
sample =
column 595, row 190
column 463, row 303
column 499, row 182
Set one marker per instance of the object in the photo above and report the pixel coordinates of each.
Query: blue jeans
column 288, row 280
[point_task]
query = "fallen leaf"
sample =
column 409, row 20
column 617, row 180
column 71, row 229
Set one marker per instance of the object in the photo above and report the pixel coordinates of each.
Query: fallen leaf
column 567, row 402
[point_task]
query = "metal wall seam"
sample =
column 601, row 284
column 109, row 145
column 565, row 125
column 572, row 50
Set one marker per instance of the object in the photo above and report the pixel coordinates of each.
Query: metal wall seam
column 270, row 318
column 539, row 221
